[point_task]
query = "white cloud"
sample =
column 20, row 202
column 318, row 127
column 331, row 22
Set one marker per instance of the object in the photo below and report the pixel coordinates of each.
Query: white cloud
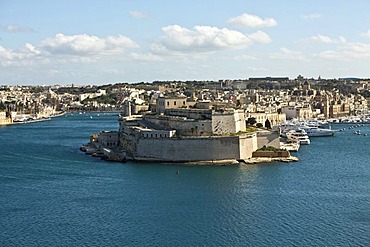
column 252, row 21
column 84, row 44
column 311, row 16
column 367, row 34
column 357, row 51
column 245, row 58
column 139, row 15
column 150, row 57
column 289, row 54
column 257, row 69
column 9, row 57
column 114, row 72
column 260, row 37
column 67, row 49
column 330, row 54
column 351, row 51
column 327, row 40
column 205, row 39
column 16, row 29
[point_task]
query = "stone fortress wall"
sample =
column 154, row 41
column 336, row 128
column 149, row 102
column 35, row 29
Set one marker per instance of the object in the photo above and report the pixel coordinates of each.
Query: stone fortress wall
column 196, row 148
column 198, row 135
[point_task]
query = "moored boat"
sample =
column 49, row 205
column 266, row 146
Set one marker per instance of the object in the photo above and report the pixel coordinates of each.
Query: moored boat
column 300, row 135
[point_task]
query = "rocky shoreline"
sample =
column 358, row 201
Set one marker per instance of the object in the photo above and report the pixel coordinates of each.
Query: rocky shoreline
column 119, row 156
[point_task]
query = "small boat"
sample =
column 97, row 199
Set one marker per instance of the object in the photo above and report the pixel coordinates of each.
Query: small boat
column 316, row 131
column 300, row 135
column 290, row 145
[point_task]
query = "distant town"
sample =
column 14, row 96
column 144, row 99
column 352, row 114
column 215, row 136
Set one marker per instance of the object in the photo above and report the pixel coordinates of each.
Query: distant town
column 225, row 121
column 272, row 98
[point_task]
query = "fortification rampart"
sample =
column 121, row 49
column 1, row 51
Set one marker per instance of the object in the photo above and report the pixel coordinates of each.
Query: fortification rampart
column 268, row 138
column 196, row 148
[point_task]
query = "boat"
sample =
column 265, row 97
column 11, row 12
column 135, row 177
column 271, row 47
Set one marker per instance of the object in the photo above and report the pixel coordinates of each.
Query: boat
column 300, row 135
column 312, row 129
column 316, row 131
column 291, row 145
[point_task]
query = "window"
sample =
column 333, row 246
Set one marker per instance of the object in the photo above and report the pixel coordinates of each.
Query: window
column 168, row 103
column 174, row 102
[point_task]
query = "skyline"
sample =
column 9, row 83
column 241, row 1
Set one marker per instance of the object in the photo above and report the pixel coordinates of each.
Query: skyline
column 91, row 42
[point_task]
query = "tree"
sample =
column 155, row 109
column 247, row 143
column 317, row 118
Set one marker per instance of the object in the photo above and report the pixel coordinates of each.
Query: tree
column 251, row 121
column 267, row 124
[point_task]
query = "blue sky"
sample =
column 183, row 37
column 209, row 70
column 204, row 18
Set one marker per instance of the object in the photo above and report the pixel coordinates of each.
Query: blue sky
column 100, row 42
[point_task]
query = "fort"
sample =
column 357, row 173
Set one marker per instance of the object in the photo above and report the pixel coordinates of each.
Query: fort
column 187, row 136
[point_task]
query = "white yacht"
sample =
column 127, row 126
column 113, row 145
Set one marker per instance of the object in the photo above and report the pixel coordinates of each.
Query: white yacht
column 290, row 145
column 312, row 129
column 316, row 131
column 299, row 135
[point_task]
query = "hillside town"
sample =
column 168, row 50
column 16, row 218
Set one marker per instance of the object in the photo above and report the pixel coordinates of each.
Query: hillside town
column 271, row 98
column 225, row 121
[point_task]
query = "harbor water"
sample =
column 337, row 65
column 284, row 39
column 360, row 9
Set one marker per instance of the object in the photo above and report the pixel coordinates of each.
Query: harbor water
column 52, row 194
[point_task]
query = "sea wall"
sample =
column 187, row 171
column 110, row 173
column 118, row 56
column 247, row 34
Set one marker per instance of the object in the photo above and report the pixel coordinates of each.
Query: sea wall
column 196, row 148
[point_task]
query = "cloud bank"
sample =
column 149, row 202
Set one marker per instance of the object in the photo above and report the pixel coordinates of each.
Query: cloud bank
column 205, row 39
column 64, row 46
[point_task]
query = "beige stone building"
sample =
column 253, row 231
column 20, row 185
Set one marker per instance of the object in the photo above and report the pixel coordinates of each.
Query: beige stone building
column 167, row 102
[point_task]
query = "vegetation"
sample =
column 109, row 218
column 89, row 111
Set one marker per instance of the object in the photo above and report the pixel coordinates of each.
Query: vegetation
column 267, row 124
column 269, row 148
column 247, row 131
column 111, row 98
column 251, row 121
column 366, row 93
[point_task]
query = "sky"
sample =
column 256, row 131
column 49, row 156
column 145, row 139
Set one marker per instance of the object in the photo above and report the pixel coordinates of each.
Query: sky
column 101, row 42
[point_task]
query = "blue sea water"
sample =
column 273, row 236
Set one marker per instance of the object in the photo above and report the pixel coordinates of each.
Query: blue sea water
column 51, row 194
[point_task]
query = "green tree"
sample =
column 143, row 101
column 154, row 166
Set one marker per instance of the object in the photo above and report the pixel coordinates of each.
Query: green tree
column 267, row 124
column 251, row 121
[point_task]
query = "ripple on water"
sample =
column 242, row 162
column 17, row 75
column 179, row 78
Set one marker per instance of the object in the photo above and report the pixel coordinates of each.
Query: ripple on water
column 53, row 195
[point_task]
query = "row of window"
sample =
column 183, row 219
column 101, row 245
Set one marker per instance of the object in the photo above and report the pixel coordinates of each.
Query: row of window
column 154, row 135
column 174, row 103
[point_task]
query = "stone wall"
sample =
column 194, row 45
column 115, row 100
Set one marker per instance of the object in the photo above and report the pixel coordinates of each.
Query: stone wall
column 198, row 114
column 223, row 123
column 197, row 149
column 248, row 144
column 108, row 138
column 268, row 138
column 183, row 126
column 228, row 122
